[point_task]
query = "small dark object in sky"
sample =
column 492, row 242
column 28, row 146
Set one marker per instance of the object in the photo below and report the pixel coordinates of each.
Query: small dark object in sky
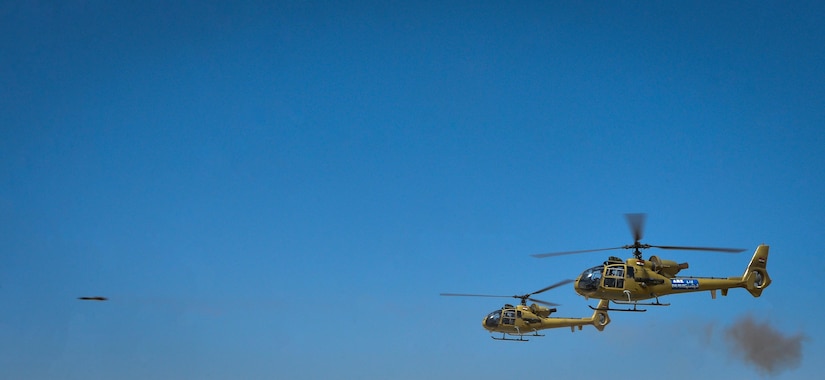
column 93, row 298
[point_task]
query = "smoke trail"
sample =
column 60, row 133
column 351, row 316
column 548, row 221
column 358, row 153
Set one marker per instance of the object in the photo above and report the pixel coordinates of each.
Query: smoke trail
column 763, row 346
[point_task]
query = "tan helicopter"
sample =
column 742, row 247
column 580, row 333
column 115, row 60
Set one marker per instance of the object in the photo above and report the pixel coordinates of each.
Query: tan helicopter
column 521, row 320
column 628, row 282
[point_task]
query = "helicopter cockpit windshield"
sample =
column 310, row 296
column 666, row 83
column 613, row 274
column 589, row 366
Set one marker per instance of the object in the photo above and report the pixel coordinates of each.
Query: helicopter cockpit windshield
column 493, row 318
column 590, row 279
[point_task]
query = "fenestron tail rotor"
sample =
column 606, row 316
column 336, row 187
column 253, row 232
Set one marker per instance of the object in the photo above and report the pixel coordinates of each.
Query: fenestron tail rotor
column 636, row 223
column 524, row 297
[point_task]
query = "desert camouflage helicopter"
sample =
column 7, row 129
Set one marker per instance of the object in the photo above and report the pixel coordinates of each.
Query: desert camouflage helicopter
column 628, row 282
column 521, row 320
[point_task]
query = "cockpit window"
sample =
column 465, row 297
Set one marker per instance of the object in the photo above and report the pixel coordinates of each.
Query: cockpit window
column 493, row 319
column 591, row 278
column 615, row 271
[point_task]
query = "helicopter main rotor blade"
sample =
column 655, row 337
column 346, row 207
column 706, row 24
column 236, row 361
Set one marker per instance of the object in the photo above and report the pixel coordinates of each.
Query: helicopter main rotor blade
column 543, row 255
column 543, row 302
column 556, row 285
column 637, row 224
column 710, row 249
column 473, row 295
column 521, row 297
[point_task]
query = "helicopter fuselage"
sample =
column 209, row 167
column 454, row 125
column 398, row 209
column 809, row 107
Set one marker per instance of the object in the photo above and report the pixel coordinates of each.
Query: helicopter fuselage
column 528, row 320
column 636, row 279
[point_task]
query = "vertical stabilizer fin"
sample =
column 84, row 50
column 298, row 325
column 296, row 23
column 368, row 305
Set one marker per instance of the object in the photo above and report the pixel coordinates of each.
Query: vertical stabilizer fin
column 756, row 275
column 600, row 318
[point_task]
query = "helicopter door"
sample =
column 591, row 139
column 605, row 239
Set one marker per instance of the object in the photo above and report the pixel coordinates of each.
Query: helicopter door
column 508, row 317
column 614, row 276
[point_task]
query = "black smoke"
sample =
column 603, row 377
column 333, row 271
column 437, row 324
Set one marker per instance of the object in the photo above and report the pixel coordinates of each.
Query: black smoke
column 763, row 346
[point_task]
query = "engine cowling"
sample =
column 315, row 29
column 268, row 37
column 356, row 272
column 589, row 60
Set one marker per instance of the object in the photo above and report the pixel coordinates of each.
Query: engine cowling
column 667, row 268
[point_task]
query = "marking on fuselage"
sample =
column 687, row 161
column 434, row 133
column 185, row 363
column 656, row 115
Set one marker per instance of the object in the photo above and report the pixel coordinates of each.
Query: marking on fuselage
column 684, row 283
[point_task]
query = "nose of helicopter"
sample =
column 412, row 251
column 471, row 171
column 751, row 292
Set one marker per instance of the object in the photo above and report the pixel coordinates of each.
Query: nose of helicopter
column 490, row 322
column 576, row 286
column 588, row 282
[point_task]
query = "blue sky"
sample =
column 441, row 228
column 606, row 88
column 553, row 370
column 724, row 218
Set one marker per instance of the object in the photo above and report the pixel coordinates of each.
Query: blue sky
column 282, row 189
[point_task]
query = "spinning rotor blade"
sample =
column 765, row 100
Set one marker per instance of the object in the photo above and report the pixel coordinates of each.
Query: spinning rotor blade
column 556, row 285
column 543, row 255
column 522, row 297
column 710, row 249
column 473, row 295
column 637, row 224
column 95, row 298
column 542, row 302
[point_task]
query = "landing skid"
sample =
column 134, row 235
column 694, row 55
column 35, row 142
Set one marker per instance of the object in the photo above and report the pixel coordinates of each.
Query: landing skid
column 634, row 303
column 634, row 309
column 520, row 337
